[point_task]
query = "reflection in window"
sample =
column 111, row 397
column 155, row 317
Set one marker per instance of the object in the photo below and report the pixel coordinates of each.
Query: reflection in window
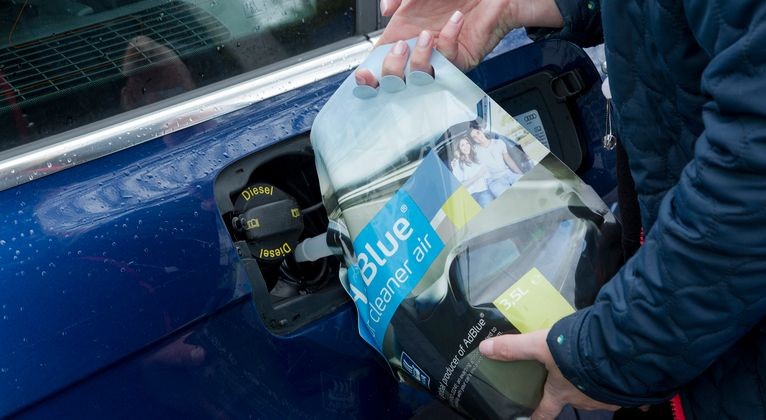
column 66, row 63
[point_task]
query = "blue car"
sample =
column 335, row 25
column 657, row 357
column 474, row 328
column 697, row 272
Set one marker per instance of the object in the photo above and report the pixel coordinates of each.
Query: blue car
column 128, row 129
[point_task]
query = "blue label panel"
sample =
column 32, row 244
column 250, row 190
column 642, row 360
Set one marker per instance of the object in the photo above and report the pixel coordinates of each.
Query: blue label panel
column 393, row 252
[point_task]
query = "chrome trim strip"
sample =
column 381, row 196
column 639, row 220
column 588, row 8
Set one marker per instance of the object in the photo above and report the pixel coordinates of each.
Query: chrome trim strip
column 38, row 159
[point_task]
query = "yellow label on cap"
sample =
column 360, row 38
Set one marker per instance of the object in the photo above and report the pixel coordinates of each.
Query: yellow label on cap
column 532, row 303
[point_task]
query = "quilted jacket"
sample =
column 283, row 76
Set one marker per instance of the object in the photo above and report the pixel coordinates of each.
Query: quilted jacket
column 686, row 312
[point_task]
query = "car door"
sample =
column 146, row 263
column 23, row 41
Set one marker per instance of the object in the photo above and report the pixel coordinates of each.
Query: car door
column 129, row 129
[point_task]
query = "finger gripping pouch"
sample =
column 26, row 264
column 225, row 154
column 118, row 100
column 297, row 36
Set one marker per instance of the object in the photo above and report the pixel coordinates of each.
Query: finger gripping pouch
column 457, row 226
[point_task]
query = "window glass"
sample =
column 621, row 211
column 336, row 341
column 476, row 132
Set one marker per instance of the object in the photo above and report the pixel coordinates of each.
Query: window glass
column 66, row 63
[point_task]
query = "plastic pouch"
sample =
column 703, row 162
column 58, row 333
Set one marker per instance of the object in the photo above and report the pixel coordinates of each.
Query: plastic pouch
column 457, row 225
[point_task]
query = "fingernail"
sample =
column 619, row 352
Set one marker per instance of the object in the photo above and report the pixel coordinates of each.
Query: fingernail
column 399, row 48
column 456, row 17
column 424, row 39
column 383, row 6
column 486, row 347
column 359, row 79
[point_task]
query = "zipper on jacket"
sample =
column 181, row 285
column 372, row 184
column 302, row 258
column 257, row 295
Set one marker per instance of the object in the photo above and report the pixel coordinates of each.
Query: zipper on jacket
column 677, row 408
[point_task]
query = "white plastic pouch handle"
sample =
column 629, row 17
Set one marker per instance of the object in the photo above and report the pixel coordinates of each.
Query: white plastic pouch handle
column 388, row 122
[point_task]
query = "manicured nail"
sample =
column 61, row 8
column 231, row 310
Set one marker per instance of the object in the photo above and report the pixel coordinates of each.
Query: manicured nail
column 424, row 39
column 486, row 347
column 456, row 17
column 400, row 48
column 383, row 6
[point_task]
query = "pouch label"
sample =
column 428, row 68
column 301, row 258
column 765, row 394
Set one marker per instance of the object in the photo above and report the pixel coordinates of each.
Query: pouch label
column 393, row 252
column 532, row 303
column 415, row 371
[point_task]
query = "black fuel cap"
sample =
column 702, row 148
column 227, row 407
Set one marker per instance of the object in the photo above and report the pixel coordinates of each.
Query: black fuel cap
column 270, row 220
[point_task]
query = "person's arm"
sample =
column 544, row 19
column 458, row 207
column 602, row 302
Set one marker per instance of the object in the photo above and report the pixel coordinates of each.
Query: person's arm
column 510, row 162
column 581, row 23
column 456, row 170
column 697, row 284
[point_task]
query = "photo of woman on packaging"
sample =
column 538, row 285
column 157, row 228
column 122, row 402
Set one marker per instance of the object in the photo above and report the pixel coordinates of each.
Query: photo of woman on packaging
column 472, row 174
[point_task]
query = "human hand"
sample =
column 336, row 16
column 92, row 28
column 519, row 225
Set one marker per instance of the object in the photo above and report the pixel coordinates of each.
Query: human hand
column 396, row 60
column 465, row 30
column 446, row 41
column 558, row 391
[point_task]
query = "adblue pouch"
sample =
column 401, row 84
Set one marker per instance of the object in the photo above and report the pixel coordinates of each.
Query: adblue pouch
column 457, row 225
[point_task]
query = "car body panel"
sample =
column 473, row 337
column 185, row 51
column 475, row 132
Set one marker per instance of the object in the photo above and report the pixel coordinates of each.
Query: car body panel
column 127, row 248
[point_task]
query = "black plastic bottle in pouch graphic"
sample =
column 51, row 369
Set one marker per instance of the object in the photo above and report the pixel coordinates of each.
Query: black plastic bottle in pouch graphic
column 463, row 227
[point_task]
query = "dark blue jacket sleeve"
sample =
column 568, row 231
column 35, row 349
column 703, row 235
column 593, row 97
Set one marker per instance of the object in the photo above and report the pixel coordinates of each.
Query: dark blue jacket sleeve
column 699, row 282
column 582, row 23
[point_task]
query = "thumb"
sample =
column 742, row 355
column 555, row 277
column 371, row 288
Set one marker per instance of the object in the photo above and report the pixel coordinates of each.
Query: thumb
column 510, row 347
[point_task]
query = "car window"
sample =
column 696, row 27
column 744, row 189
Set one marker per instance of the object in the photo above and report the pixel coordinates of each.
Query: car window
column 67, row 63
